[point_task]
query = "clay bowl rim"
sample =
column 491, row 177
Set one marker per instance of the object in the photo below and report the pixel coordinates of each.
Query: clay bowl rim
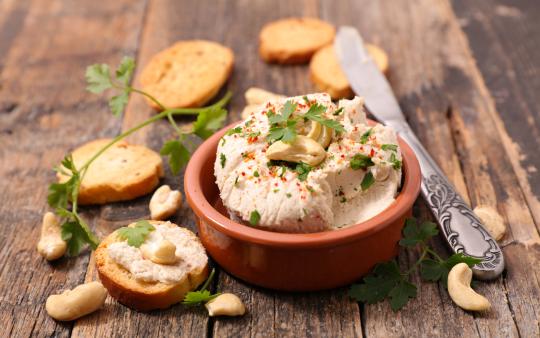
column 205, row 210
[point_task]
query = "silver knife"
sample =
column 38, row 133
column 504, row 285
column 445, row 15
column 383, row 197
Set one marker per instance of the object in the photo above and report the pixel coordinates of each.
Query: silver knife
column 460, row 226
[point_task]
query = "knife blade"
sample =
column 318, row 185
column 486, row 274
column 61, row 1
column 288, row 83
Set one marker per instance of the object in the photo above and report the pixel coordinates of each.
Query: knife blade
column 459, row 225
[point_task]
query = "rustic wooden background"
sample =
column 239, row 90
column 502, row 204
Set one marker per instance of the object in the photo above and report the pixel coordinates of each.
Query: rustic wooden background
column 467, row 75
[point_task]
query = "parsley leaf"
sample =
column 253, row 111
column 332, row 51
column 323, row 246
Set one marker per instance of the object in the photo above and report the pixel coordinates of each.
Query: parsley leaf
column 361, row 161
column 222, row 160
column 338, row 111
column 396, row 164
column 178, row 155
column 365, row 136
column 208, row 121
column 76, row 233
column 413, row 233
column 98, row 78
column 286, row 134
column 401, row 293
column 61, row 193
column 315, row 114
column 367, row 181
column 302, row 169
column 236, row 130
column 136, row 235
column 125, row 70
column 118, row 103
column 377, row 285
column 392, row 147
column 202, row 295
column 433, row 270
column 254, row 218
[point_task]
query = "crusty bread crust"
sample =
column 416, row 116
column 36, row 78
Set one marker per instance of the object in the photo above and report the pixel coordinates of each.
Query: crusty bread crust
column 326, row 73
column 294, row 40
column 121, row 173
column 187, row 74
column 140, row 295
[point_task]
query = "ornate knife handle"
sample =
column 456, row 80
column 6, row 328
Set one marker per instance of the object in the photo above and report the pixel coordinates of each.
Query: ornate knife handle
column 459, row 225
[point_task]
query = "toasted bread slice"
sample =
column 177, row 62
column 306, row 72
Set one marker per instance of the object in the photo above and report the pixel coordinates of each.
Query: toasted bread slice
column 187, row 74
column 326, row 73
column 294, row 40
column 144, row 295
column 123, row 172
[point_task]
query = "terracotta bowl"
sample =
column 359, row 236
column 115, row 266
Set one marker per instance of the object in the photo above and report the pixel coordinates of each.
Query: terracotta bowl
column 295, row 262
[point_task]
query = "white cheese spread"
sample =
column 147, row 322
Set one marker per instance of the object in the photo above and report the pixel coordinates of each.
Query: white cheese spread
column 190, row 255
column 358, row 179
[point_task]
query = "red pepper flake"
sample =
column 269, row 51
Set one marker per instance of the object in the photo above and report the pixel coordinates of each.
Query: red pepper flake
column 252, row 139
column 276, row 184
column 243, row 173
column 342, row 155
column 303, row 197
column 372, row 152
column 283, row 179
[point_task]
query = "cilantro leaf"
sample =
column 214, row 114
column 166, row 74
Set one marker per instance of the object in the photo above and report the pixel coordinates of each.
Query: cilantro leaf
column 208, row 121
column 178, row 155
column 365, row 136
column 392, row 147
column 414, row 234
column 396, row 164
column 254, row 217
column 98, row 78
column 432, row 270
column 338, row 111
column 136, row 235
column 60, row 194
column 125, row 70
column 303, row 169
column 367, row 181
column 401, row 293
column 118, row 103
column 286, row 134
column 361, row 161
column 377, row 285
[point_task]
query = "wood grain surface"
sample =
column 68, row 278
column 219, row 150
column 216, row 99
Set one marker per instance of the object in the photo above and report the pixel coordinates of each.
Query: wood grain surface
column 466, row 74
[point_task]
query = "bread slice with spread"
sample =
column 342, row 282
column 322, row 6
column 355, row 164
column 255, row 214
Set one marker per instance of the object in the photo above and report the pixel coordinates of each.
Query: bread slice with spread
column 139, row 276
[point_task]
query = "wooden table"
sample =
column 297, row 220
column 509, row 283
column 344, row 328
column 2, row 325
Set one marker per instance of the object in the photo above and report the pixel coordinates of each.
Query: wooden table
column 467, row 75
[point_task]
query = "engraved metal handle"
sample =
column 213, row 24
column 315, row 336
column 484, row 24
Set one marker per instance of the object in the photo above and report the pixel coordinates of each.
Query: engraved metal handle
column 459, row 225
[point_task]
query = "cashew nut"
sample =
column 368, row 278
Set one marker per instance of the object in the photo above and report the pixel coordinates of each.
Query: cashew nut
column 164, row 203
column 381, row 172
column 325, row 137
column 164, row 253
column 256, row 96
column 302, row 149
column 248, row 110
column 50, row 245
column 459, row 288
column 492, row 221
column 225, row 304
column 314, row 131
column 73, row 304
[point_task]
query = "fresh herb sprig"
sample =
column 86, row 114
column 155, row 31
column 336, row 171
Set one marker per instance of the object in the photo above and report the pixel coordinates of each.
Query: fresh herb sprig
column 283, row 126
column 386, row 281
column 136, row 235
column 201, row 296
column 99, row 78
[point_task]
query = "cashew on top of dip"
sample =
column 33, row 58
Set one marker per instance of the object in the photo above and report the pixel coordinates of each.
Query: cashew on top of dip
column 303, row 164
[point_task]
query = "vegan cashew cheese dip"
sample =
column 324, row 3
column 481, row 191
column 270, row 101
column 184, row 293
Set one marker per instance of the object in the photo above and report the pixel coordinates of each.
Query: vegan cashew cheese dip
column 304, row 164
column 189, row 255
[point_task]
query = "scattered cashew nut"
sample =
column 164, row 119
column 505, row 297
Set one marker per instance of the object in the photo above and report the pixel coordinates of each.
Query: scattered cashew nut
column 492, row 221
column 226, row 304
column 255, row 96
column 164, row 253
column 80, row 301
column 459, row 288
column 302, row 149
column 164, row 203
column 50, row 245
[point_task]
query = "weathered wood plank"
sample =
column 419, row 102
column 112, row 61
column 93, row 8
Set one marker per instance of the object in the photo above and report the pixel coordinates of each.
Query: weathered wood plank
column 44, row 111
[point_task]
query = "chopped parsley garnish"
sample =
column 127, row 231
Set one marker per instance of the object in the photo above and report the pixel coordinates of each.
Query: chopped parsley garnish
column 283, row 171
column 306, row 100
column 343, row 199
column 236, row 130
column 365, row 136
column 392, row 147
column 361, row 161
column 396, row 164
column 288, row 195
column 367, row 181
column 136, row 235
column 236, row 181
column 222, row 160
column 315, row 114
column 310, row 189
column 303, row 169
column 256, row 173
column 254, row 218
column 339, row 111
column 276, row 191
